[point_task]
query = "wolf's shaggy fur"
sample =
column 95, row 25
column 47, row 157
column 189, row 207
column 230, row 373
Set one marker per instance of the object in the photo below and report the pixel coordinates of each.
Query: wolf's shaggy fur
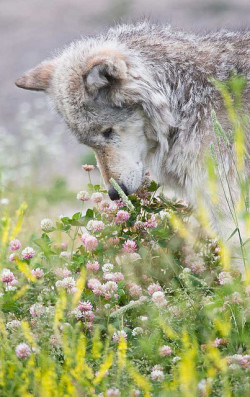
column 141, row 96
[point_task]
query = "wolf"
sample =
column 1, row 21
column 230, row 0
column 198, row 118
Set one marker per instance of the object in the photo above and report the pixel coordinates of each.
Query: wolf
column 141, row 96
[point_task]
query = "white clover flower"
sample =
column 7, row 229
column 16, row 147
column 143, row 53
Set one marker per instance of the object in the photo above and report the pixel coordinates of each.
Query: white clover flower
column 82, row 196
column 65, row 255
column 46, row 224
column 225, row 278
column 159, row 299
column 77, row 313
column 96, row 226
column 13, row 325
column 137, row 331
column 97, row 197
column 107, row 267
column 165, row 214
column 157, row 374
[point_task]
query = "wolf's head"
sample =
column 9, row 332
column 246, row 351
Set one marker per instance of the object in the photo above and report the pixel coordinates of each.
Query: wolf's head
column 107, row 97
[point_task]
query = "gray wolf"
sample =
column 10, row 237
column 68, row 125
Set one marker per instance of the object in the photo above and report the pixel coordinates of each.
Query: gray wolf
column 141, row 97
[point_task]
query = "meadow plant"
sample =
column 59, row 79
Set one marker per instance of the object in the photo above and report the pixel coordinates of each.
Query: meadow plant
column 121, row 300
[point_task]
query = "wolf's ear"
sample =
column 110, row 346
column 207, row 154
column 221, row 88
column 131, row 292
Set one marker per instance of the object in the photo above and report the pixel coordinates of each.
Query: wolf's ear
column 37, row 79
column 105, row 69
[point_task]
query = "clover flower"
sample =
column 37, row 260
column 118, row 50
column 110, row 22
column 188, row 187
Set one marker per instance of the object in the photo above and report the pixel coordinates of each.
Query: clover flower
column 153, row 288
column 135, row 289
column 7, row 276
column 68, row 283
column 158, row 298
column 121, row 217
column 165, row 350
column 107, row 267
column 37, row 310
column 23, row 350
column 90, row 242
column 157, row 373
column 129, row 246
column 117, row 276
column 15, row 245
column 12, row 257
column 239, row 359
column 97, row 197
column 88, row 167
column 110, row 287
column 77, row 314
column 13, row 325
column 96, row 226
column 38, row 273
column 93, row 266
column 137, row 331
column 225, row 278
column 85, row 306
column 62, row 272
column 118, row 335
column 82, row 196
column 28, row 253
column 46, row 224
column 65, row 255
column 150, row 223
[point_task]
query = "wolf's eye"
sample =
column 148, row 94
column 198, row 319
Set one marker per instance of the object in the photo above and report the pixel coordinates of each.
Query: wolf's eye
column 107, row 133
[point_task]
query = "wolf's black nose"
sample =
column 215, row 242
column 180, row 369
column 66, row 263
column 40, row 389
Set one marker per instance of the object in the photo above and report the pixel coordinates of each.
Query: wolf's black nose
column 114, row 195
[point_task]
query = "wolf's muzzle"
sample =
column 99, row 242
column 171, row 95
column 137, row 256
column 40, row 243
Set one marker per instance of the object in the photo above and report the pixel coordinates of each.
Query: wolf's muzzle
column 114, row 195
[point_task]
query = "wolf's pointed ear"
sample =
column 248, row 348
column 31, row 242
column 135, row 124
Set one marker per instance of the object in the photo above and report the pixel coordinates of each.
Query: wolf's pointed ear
column 105, row 69
column 37, row 79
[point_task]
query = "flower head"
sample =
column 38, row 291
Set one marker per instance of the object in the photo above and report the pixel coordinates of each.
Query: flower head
column 12, row 257
column 88, row 167
column 95, row 226
column 82, row 196
column 159, row 299
column 38, row 273
column 165, row 350
column 153, row 288
column 15, row 245
column 137, row 331
column 23, row 350
column 85, row 306
column 97, row 197
column 28, row 253
column 46, row 224
column 118, row 335
column 121, row 217
column 107, row 267
column 135, row 289
column 65, row 255
column 7, row 276
column 129, row 246
column 225, row 278
column 157, row 373
column 37, row 310
column 89, row 241
column 68, row 283
column 13, row 325
column 93, row 266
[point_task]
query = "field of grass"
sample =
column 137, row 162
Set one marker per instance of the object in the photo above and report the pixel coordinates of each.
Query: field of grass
column 119, row 299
